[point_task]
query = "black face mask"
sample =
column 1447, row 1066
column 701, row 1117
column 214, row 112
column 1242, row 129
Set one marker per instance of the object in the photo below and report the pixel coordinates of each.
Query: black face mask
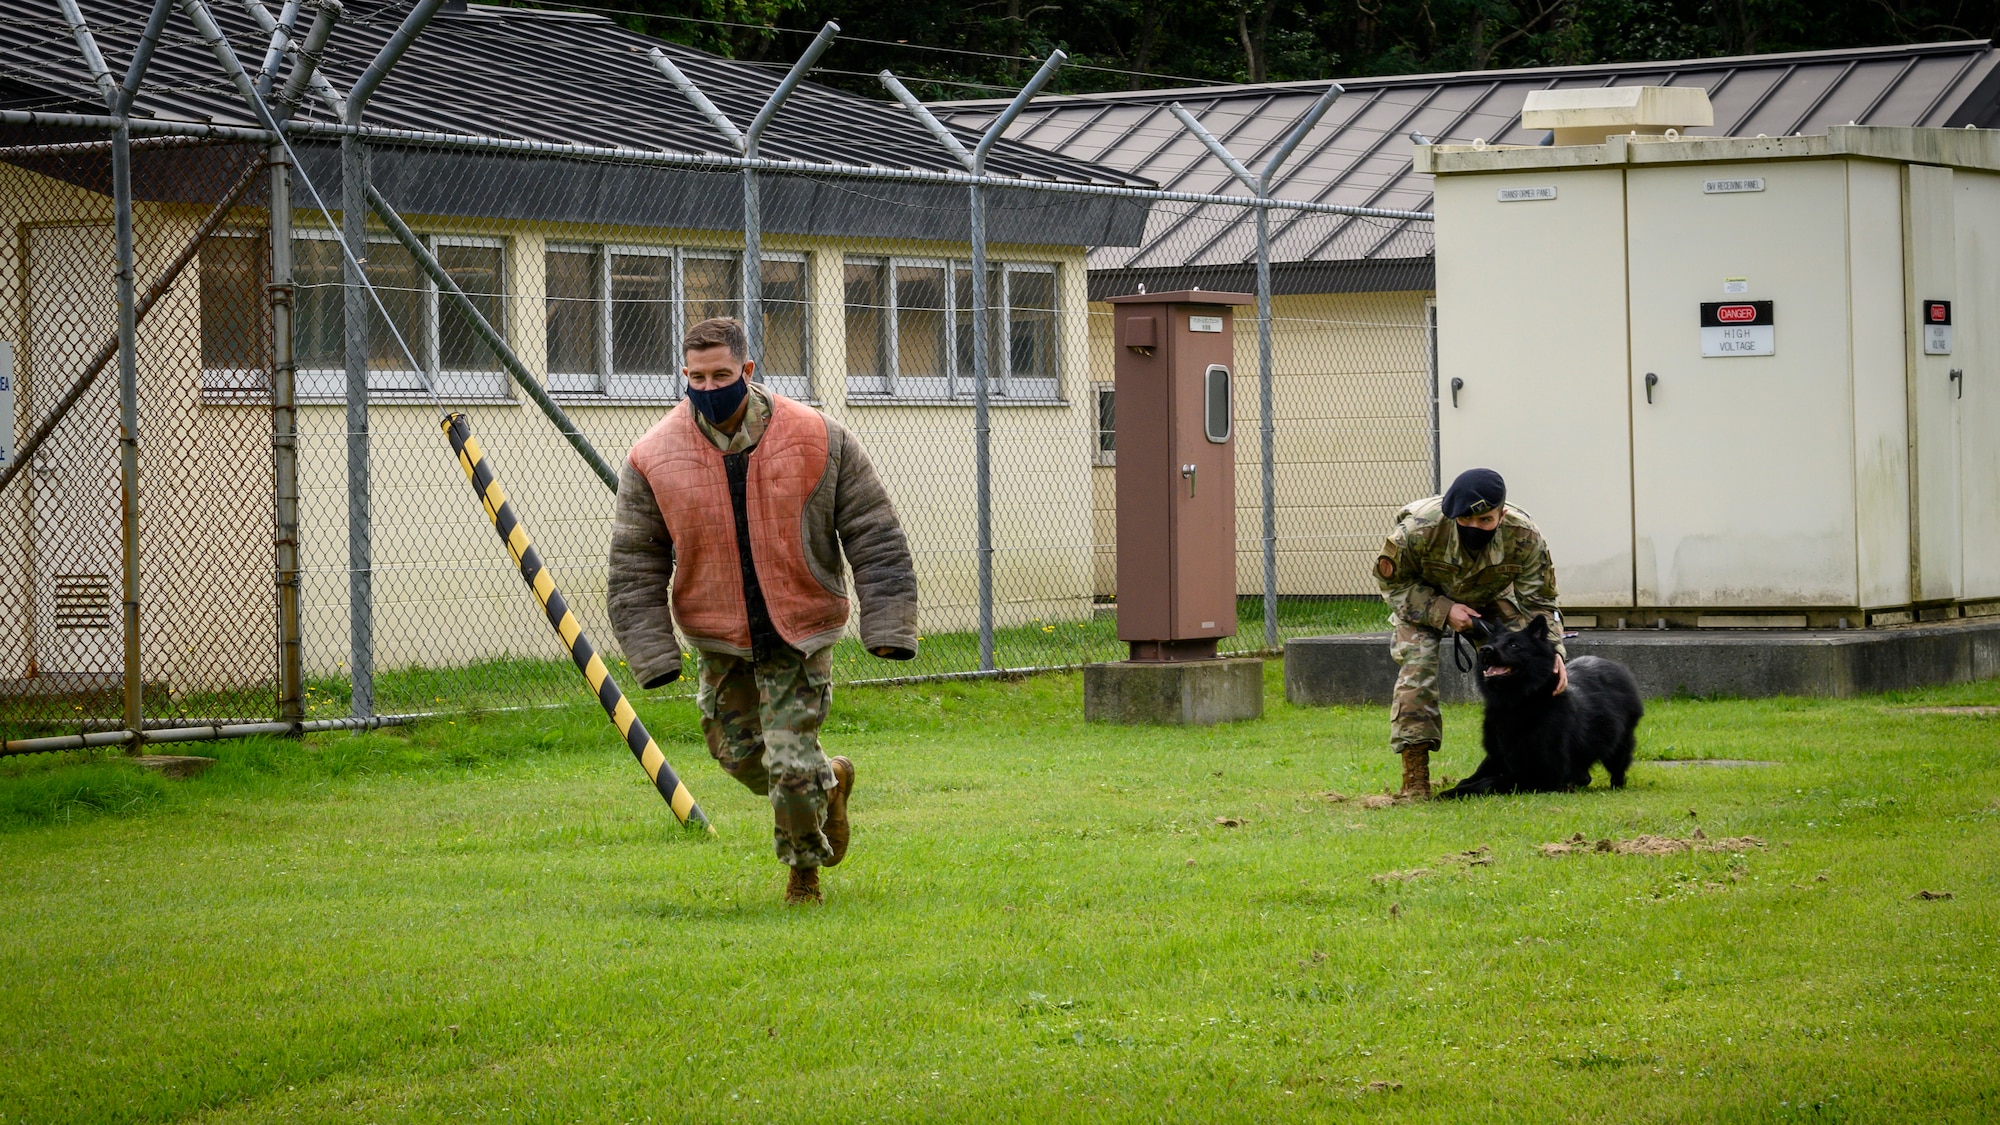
column 1474, row 539
column 717, row 405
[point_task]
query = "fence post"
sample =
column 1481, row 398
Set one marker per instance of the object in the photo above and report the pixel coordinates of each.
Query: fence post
column 982, row 347
column 354, row 307
column 746, row 144
column 285, row 444
column 128, row 361
column 982, row 351
column 354, row 231
column 1266, row 411
column 284, row 364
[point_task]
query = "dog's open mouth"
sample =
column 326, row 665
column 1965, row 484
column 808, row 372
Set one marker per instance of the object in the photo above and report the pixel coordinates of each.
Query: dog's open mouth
column 1496, row 670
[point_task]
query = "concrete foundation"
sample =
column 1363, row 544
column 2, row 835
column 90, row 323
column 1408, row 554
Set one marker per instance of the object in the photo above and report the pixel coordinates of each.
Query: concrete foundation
column 1182, row 693
column 173, row 765
column 1710, row 662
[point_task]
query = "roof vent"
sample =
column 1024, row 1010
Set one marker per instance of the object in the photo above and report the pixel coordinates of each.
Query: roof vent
column 1589, row 115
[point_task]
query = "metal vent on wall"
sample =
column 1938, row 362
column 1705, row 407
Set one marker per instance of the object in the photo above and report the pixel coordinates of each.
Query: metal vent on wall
column 83, row 601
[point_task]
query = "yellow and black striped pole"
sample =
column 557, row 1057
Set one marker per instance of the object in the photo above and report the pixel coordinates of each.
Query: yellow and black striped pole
column 515, row 536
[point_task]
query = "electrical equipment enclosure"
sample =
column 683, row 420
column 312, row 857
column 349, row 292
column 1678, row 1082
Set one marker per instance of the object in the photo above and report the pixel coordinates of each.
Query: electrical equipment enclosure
column 1176, row 472
column 1737, row 381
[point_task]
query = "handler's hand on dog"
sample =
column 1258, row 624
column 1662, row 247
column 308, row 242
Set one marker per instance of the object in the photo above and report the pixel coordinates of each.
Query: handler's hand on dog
column 1462, row 617
column 1562, row 677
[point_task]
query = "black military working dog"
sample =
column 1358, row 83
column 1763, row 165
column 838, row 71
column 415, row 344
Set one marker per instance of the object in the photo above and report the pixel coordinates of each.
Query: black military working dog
column 1541, row 742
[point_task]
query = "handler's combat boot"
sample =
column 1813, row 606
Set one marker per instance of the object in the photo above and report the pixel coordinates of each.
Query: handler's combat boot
column 1417, row 771
column 803, row 887
column 837, row 829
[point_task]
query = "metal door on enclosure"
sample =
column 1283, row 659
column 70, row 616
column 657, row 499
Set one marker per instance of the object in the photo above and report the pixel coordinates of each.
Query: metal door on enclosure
column 1723, row 433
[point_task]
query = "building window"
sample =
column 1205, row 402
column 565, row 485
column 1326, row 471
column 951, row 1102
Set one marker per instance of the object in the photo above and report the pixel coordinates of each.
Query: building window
column 235, row 317
column 785, row 364
column 1107, row 423
column 615, row 316
column 420, row 325
column 910, row 334
column 574, row 290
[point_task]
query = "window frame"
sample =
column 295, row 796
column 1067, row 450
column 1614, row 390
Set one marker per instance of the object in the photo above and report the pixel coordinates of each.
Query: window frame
column 1100, row 455
column 607, row 384
column 462, row 383
column 226, row 385
column 329, row 384
column 638, row 387
column 959, row 385
column 590, row 382
column 795, row 386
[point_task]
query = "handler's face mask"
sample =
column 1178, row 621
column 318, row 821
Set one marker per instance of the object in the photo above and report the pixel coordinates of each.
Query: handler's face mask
column 717, row 405
column 1474, row 539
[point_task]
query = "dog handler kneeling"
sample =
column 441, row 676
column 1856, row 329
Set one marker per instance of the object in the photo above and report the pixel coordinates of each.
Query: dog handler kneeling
column 1453, row 559
column 733, row 515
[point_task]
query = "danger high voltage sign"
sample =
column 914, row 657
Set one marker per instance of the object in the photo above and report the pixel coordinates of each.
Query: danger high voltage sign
column 1738, row 328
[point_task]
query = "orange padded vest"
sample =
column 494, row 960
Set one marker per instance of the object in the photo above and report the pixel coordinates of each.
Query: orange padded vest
column 691, row 486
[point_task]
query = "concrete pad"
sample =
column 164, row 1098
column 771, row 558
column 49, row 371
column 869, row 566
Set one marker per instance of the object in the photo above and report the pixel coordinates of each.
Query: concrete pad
column 1182, row 693
column 176, row 766
column 1750, row 664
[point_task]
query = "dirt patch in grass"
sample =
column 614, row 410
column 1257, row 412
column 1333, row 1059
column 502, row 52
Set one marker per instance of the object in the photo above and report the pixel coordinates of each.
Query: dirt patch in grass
column 1651, row 845
column 1671, row 762
column 1986, row 712
column 1480, row 856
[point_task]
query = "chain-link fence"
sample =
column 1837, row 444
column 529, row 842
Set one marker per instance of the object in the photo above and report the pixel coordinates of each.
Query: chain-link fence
column 201, row 391
column 542, row 290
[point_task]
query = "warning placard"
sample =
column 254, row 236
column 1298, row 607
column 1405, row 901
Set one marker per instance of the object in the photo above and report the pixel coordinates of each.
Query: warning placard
column 1738, row 328
column 1937, row 326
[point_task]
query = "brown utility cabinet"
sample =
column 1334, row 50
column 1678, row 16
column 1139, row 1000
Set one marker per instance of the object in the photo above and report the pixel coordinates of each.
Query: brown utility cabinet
column 1176, row 472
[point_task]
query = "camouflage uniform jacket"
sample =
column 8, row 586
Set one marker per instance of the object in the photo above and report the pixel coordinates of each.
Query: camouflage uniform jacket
column 1423, row 570
column 853, row 519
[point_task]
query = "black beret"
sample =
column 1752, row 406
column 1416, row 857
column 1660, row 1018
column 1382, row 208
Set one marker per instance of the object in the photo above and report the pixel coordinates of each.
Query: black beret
column 1475, row 493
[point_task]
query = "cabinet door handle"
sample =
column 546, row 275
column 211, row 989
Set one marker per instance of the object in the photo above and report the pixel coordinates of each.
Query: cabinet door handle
column 1457, row 384
column 1188, row 471
column 1958, row 381
column 1652, row 381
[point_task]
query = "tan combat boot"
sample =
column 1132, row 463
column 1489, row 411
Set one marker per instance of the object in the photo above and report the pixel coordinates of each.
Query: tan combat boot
column 1417, row 771
column 803, row 887
column 837, row 828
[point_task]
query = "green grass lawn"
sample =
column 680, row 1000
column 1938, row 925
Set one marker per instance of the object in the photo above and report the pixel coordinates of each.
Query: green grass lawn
column 498, row 920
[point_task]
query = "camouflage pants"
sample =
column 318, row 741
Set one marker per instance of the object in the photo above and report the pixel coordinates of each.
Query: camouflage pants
column 762, row 720
column 1413, row 710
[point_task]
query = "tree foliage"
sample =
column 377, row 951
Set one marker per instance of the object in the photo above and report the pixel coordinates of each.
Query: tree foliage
column 958, row 50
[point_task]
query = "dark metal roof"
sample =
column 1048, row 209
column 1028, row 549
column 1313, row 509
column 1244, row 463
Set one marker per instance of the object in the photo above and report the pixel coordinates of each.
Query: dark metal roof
column 1359, row 154
column 575, row 78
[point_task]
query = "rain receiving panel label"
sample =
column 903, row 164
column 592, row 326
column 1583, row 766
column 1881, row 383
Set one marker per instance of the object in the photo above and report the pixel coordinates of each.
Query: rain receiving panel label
column 1730, row 187
column 1738, row 328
